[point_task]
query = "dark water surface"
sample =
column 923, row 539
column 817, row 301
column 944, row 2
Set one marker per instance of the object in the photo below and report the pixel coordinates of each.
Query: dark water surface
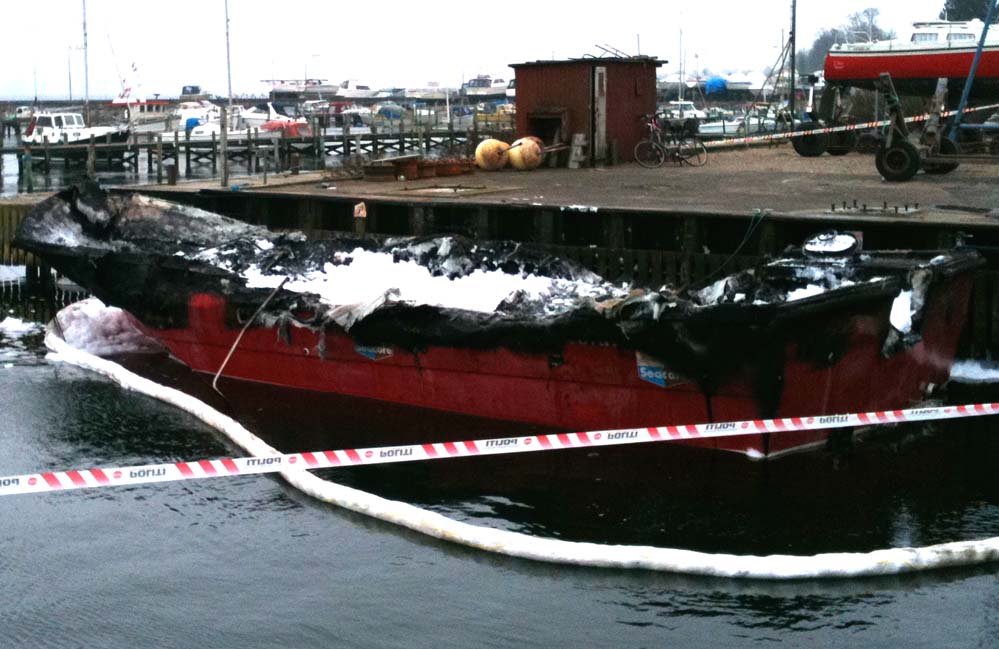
column 248, row 562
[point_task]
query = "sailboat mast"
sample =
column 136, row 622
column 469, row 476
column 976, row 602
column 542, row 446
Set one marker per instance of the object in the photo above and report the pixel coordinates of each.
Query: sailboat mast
column 794, row 73
column 228, row 60
column 86, row 67
column 680, row 89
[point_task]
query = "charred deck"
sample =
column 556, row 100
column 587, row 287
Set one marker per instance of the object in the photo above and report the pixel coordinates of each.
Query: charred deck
column 678, row 225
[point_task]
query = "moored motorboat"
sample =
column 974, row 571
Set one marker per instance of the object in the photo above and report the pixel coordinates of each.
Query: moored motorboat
column 504, row 331
column 49, row 127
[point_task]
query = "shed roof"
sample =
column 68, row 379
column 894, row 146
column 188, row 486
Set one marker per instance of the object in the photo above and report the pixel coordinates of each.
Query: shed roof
column 595, row 60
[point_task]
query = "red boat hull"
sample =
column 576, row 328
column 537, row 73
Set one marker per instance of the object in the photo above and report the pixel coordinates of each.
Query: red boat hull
column 914, row 72
column 586, row 387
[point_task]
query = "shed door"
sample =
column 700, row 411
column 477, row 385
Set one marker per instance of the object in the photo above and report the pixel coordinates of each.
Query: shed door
column 599, row 114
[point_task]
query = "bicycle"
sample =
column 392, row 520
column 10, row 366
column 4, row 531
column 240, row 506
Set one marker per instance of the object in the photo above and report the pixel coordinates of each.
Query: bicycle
column 672, row 139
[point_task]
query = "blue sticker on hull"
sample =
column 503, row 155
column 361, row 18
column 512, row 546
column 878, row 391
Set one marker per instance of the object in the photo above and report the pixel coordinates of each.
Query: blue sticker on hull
column 651, row 370
column 374, row 353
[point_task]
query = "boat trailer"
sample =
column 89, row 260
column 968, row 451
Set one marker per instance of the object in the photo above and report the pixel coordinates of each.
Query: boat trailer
column 899, row 159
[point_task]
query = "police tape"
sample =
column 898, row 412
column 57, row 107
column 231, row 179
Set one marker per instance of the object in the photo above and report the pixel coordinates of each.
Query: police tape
column 770, row 137
column 225, row 467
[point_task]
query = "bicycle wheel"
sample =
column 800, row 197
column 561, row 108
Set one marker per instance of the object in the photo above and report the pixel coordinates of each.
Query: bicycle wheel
column 649, row 154
column 692, row 152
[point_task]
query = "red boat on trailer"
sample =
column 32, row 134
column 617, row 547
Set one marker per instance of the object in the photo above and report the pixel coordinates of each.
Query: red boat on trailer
column 824, row 330
column 934, row 50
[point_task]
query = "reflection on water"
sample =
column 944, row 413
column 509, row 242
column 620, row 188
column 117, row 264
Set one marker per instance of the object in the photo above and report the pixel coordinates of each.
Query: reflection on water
column 31, row 300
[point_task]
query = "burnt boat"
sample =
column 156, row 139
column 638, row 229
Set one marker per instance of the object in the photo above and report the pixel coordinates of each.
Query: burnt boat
column 504, row 331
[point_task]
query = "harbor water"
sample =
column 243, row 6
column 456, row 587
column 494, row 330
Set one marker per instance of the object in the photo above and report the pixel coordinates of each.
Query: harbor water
column 249, row 562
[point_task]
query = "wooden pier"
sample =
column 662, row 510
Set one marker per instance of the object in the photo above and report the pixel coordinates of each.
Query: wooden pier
column 252, row 153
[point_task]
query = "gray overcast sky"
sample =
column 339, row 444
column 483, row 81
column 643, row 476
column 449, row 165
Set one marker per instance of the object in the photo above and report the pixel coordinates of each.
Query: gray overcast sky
column 387, row 43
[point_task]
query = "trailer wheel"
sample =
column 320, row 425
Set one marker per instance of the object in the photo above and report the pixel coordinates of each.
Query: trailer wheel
column 809, row 146
column 947, row 147
column 897, row 163
column 842, row 142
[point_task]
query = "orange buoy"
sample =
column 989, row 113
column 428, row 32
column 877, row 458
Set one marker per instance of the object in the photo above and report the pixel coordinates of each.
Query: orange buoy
column 526, row 153
column 491, row 154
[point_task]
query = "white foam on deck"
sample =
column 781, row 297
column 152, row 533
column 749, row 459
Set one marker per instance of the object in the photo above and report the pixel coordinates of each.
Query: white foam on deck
column 363, row 277
column 515, row 544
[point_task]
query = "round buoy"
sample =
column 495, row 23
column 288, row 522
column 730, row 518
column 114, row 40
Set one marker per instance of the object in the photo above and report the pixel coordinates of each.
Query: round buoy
column 541, row 143
column 491, row 154
column 526, row 154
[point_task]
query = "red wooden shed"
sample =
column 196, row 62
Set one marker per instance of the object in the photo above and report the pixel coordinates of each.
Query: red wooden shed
column 602, row 98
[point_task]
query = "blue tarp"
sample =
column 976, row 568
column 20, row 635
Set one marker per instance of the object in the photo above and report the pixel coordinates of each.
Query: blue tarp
column 714, row 84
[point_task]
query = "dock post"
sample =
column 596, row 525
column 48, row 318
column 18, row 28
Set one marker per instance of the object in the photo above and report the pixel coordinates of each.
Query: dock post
column 402, row 136
column 159, row 159
column 320, row 144
column 136, row 149
column 215, row 154
column 251, row 149
column 107, row 141
column 27, row 164
column 224, row 145
column 48, row 157
column 149, row 154
column 187, row 154
column 264, row 154
column 92, row 159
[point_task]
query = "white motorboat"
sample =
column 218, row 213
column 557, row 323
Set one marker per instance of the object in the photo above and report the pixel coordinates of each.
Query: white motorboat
column 257, row 116
column 353, row 89
column 68, row 128
column 484, row 87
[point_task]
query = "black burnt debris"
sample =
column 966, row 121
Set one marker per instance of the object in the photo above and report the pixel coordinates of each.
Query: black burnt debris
column 148, row 256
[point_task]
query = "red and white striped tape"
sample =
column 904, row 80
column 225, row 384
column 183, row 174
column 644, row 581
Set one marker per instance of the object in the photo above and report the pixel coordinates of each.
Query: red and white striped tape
column 834, row 129
column 131, row 475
